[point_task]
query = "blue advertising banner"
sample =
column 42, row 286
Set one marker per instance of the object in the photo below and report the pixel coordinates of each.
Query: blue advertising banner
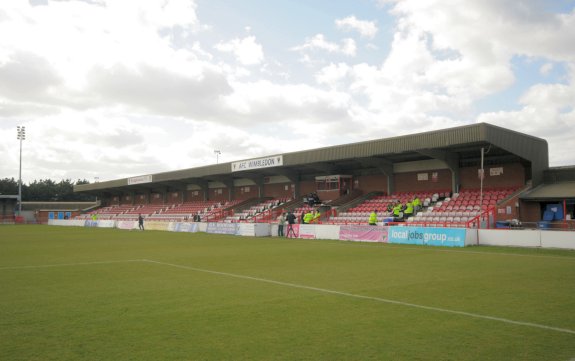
column 222, row 228
column 185, row 227
column 447, row 237
column 90, row 223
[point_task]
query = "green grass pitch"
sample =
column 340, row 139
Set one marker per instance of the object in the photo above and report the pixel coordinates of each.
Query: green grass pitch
column 106, row 294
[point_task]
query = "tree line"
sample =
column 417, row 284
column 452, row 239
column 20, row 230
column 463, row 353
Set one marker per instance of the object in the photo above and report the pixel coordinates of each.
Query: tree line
column 46, row 190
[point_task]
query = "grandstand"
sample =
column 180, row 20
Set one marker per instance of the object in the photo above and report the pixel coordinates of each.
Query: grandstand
column 460, row 183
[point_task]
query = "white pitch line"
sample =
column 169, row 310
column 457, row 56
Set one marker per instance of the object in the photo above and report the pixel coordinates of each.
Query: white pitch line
column 378, row 299
column 69, row 264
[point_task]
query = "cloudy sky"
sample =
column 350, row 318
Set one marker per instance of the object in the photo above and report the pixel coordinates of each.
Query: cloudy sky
column 118, row 88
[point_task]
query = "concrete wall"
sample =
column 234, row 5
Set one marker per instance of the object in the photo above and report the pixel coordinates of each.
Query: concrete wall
column 483, row 237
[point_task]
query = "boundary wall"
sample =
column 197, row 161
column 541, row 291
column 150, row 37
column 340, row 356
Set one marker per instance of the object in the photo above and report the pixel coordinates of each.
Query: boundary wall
column 424, row 236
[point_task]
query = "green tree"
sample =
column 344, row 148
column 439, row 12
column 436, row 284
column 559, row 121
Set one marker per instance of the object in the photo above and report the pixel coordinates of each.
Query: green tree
column 46, row 190
column 8, row 186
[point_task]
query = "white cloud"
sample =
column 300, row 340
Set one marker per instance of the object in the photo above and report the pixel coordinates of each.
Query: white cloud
column 318, row 42
column 365, row 28
column 264, row 102
column 499, row 29
column 442, row 64
column 247, row 51
column 546, row 68
column 140, row 87
column 547, row 111
column 333, row 74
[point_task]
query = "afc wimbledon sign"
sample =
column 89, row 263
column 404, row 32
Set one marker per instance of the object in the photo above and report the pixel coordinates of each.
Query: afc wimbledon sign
column 140, row 179
column 267, row 162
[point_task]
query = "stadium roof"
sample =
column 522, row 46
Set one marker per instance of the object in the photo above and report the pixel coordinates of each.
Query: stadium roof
column 556, row 191
column 8, row 197
column 559, row 184
column 456, row 147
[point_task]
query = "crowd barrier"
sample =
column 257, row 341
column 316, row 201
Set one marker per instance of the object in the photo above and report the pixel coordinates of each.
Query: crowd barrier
column 426, row 236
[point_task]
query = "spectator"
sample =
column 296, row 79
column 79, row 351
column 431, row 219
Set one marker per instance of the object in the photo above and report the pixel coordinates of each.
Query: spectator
column 315, row 197
column 416, row 204
column 316, row 217
column 373, row 218
column 310, row 200
column 397, row 210
column 291, row 221
column 408, row 212
column 308, row 217
column 281, row 221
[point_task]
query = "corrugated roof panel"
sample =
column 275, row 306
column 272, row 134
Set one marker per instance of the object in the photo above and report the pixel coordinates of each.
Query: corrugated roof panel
column 525, row 146
column 561, row 190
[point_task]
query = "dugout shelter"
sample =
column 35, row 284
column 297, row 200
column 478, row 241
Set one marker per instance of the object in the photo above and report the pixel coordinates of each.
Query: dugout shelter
column 8, row 206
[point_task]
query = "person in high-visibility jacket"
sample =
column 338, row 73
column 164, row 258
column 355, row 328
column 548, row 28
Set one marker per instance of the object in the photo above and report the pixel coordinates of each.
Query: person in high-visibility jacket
column 316, row 217
column 416, row 204
column 308, row 217
column 397, row 209
column 408, row 212
column 373, row 218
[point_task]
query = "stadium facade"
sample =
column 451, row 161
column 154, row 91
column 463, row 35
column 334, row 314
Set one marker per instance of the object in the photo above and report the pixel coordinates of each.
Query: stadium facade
column 478, row 156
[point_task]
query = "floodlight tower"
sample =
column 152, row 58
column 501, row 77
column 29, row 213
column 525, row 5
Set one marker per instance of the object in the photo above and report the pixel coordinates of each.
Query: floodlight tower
column 217, row 152
column 21, row 131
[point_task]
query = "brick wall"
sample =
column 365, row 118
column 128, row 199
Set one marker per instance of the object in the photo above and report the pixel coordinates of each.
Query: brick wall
column 370, row 183
column 219, row 195
column 174, row 197
column 195, row 196
column 530, row 211
column 278, row 190
column 307, row 187
column 498, row 176
column 434, row 180
column 246, row 192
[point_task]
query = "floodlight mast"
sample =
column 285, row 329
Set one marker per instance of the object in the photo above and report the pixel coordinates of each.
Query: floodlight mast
column 21, row 135
column 217, row 152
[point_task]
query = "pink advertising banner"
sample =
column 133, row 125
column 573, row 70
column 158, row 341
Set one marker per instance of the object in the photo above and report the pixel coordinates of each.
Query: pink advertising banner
column 363, row 233
column 300, row 231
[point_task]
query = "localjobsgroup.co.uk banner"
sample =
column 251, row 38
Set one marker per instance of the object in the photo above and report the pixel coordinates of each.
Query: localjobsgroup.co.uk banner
column 449, row 237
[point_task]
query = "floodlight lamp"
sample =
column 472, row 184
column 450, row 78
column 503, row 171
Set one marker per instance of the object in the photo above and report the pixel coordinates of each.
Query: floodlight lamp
column 21, row 132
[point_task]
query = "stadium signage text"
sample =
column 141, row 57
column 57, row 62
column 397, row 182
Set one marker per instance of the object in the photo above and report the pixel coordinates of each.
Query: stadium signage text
column 363, row 233
column 267, row 162
column 451, row 237
column 140, row 179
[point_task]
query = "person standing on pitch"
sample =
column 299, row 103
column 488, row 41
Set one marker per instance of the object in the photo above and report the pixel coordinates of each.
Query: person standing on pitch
column 140, row 221
column 281, row 221
column 291, row 221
